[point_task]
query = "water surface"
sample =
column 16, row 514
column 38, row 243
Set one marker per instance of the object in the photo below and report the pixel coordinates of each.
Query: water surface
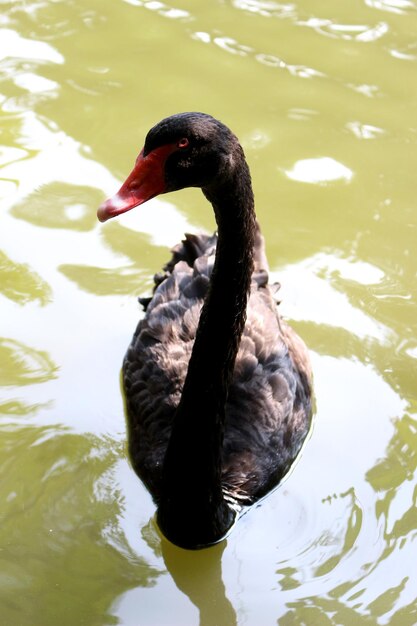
column 323, row 97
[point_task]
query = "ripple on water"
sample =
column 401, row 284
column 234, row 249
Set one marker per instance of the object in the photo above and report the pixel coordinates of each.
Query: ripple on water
column 321, row 528
column 392, row 6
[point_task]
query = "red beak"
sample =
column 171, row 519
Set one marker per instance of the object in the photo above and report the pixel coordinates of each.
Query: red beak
column 146, row 180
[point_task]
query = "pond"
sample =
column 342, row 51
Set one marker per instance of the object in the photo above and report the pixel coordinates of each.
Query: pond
column 323, row 97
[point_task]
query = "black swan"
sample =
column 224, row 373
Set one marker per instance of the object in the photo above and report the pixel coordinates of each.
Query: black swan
column 218, row 388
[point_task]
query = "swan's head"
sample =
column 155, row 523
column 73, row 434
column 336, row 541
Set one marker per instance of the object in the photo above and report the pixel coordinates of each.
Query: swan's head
column 184, row 150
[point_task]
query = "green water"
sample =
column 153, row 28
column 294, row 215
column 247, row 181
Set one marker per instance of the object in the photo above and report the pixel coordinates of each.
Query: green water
column 323, row 96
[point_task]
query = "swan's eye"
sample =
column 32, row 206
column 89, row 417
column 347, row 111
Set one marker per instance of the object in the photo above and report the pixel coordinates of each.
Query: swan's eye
column 183, row 143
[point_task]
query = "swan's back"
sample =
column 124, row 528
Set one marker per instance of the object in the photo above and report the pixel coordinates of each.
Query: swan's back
column 268, row 409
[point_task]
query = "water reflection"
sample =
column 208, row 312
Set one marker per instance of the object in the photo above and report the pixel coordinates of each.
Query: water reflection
column 332, row 279
column 134, row 277
column 105, row 282
column 347, row 32
column 163, row 9
column 60, row 205
column 21, row 59
column 362, row 579
column 22, row 365
column 330, row 553
column 345, row 538
column 365, row 131
column 392, row 6
column 15, row 46
column 49, row 156
column 127, row 242
column 124, row 279
column 395, row 471
column 198, row 575
column 267, row 8
column 232, row 46
column 58, row 504
column 21, row 284
column 16, row 408
column 319, row 170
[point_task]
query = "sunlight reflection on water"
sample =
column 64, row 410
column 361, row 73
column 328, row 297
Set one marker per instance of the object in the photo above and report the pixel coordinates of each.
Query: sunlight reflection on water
column 319, row 170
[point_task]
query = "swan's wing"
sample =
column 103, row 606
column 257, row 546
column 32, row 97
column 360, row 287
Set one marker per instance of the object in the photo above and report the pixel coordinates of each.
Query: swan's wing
column 268, row 411
column 156, row 363
column 191, row 248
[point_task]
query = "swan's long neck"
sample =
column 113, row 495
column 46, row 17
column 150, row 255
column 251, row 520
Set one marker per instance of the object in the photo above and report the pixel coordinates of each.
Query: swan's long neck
column 192, row 509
